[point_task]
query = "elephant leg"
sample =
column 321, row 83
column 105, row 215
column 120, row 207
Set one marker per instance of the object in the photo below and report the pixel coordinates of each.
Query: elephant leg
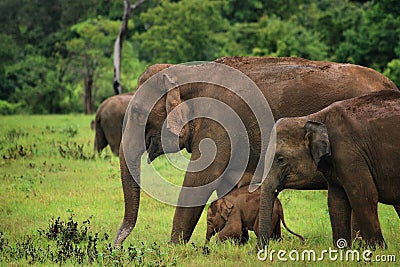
column 232, row 230
column 196, row 190
column 185, row 220
column 244, row 237
column 340, row 213
column 100, row 141
column 115, row 148
column 363, row 198
column 366, row 213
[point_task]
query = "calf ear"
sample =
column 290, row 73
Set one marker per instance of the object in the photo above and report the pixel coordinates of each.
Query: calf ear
column 226, row 208
column 318, row 142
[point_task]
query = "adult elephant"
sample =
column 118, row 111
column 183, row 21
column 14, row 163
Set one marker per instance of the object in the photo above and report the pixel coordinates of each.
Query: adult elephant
column 292, row 87
column 354, row 144
column 108, row 122
column 110, row 114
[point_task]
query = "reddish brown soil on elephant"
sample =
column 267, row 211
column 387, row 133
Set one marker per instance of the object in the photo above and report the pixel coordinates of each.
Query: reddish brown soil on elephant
column 283, row 79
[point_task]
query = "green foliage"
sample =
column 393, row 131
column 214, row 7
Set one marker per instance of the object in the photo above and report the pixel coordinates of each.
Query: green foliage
column 8, row 53
column 64, row 242
column 7, row 108
column 373, row 43
column 393, row 71
column 39, row 87
column 97, row 34
column 329, row 20
column 244, row 11
column 44, row 43
column 91, row 52
column 275, row 37
column 183, row 31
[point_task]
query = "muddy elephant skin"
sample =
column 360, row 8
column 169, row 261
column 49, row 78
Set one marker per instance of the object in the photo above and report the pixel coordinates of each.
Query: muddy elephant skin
column 355, row 144
column 292, row 87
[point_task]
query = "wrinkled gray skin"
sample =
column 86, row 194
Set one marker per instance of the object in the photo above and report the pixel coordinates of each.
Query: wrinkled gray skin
column 354, row 145
column 232, row 216
column 110, row 115
column 292, row 87
column 108, row 122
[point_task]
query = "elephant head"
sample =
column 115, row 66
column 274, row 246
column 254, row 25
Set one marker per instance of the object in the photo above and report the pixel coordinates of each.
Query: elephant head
column 302, row 150
column 217, row 215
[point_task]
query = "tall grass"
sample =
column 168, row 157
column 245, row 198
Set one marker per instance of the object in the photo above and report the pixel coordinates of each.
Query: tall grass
column 62, row 204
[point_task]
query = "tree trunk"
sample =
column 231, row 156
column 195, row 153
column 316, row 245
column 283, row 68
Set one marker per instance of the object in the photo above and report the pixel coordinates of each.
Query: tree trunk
column 88, row 81
column 87, row 95
column 118, row 44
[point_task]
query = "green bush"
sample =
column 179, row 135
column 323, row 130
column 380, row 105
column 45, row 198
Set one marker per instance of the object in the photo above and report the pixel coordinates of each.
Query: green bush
column 7, row 108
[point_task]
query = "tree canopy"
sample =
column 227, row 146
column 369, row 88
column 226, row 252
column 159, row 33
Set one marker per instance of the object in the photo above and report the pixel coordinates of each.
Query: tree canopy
column 51, row 49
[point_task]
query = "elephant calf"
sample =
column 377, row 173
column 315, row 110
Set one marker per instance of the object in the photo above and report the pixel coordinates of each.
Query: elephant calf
column 233, row 215
column 355, row 144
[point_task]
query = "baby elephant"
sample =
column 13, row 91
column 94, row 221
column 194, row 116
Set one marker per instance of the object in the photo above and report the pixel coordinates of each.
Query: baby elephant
column 233, row 215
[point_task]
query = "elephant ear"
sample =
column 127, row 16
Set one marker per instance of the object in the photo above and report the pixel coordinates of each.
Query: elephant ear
column 176, row 119
column 318, row 142
column 226, row 208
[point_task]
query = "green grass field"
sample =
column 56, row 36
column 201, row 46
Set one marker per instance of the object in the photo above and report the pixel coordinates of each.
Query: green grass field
column 48, row 171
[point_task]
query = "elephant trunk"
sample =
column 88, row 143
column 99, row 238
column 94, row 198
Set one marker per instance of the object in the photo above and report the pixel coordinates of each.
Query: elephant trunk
column 131, row 191
column 210, row 232
column 267, row 198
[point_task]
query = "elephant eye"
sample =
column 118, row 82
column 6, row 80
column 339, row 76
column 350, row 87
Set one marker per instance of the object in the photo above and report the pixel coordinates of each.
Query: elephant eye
column 280, row 161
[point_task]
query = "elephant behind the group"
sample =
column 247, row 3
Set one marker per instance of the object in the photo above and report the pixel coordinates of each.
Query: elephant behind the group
column 292, row 87
column 355, row 144
column 111, row 112
column 108, row 122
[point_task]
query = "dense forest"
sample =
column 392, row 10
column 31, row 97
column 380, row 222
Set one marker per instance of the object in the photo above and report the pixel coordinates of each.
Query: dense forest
column 51, row 49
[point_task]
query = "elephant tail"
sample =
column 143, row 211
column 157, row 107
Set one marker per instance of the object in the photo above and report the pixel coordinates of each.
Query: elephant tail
column 287, row 228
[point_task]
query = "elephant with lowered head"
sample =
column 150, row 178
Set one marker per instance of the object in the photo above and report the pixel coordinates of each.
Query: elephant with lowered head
column 292, row 87
column 354, row 143
column 111, row 112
